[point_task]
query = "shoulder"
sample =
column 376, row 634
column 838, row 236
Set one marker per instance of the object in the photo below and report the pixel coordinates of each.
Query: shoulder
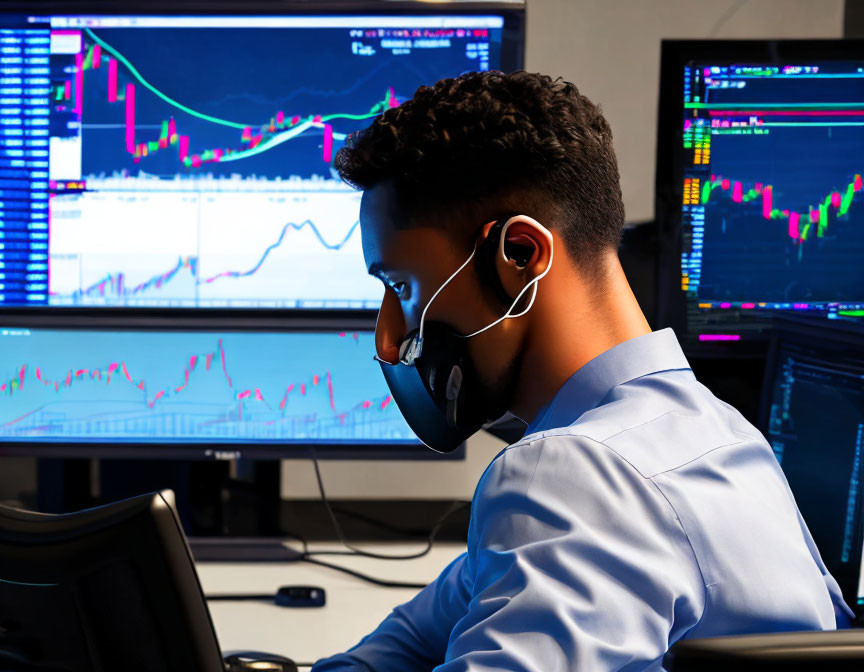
column 657, row 425
column 564, row 481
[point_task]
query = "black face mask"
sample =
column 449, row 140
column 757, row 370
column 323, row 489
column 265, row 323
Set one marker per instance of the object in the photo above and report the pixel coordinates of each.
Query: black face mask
column 438, row 394
column 434, row 384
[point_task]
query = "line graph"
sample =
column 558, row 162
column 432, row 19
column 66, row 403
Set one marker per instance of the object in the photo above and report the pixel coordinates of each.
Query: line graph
column 254, row 138
column 213, row 256
column 114, row 284
column 164, row 386
column 289, row 226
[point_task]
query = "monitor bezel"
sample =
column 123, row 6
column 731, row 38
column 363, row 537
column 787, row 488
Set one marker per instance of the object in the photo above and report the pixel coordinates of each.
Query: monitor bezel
column 818, row 338
column 674, row 55
column 218, row 451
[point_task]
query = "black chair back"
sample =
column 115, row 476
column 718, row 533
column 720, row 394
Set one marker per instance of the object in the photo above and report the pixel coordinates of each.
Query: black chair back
column 102, row 590
column 789, row 651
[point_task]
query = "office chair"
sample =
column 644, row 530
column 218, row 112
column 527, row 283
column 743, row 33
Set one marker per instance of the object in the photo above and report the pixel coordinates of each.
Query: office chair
column 107, row 589
column 838, row 650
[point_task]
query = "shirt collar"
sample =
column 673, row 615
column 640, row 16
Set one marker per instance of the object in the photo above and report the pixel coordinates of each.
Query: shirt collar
column 585, row 389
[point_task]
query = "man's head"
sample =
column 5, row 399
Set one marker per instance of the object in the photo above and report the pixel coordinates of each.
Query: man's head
column 440, row 168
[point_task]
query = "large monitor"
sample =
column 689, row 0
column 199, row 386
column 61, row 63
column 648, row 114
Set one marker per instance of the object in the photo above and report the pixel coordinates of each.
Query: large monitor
column 207, row 393
column 813, row 416
column 168, row 158
column 759, row 184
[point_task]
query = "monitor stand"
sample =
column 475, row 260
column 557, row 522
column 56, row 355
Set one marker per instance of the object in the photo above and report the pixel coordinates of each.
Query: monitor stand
column 211, row 501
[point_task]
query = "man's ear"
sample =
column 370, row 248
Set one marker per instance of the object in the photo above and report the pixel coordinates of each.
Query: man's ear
column 519, row 248
column 527, row 252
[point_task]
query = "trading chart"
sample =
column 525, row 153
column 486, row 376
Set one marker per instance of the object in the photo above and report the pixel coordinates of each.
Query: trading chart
column 773, row 209
column 193, row 387
column 188, row 162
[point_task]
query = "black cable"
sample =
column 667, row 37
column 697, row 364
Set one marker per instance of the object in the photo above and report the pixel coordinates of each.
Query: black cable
column 240, row 597
column 306, row 555
column 253, row 597
column 454, row 506
column 381, row 524
column 365, row 577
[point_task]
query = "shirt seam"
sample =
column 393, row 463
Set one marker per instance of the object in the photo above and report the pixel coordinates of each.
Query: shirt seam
column 627, row 429
column 680, row 525
column 695, row 459
column 650, row 479
column 567, row 431
column 548, row 410
column 705, row 585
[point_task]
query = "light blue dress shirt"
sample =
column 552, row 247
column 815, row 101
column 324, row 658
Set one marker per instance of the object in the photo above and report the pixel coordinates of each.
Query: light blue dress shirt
column 638, row 509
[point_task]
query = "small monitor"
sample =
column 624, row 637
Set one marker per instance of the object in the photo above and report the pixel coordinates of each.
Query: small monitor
column 115, row 393
column 760, row 195
column 813, row 416
column 186, row 161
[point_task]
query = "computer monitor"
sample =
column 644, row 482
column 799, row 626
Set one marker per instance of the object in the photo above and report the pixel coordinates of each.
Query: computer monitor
column 215, row 393
column 813, row 416
column 759, row 185
column 160, row 157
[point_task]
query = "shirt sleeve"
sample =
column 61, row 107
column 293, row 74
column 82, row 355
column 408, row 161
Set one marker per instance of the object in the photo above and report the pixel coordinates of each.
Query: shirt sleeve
column 577, row 563
column 414, row 636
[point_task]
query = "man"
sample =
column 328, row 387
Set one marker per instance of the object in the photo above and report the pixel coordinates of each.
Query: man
column 638, row 509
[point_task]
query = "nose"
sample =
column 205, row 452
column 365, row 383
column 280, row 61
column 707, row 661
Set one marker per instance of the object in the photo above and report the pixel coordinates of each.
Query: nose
column 390, row 328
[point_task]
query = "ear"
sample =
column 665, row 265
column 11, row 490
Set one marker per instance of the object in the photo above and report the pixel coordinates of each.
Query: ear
column 525, row 251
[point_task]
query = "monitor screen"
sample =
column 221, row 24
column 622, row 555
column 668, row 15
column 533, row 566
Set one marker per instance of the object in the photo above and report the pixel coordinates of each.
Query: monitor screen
column 187, row 161
column 767, row 155
column 111, row 391
column 814, row 416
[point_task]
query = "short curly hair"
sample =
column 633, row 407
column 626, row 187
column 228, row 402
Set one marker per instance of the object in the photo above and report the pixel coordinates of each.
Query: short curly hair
column 469, row 143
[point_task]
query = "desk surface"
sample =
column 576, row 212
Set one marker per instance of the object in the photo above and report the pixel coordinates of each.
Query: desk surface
column 354, row 607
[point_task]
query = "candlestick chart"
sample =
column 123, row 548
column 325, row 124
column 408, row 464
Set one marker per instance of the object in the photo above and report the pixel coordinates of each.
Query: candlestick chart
column 200, row 163
column 773, row 202
column 182, row 387
column 156, row 131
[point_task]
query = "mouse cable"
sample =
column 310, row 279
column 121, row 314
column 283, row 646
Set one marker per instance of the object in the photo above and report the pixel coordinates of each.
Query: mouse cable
column 365, row 577
column 397, row 531
column 269, row 597
column 455, row 506
column 306, row 555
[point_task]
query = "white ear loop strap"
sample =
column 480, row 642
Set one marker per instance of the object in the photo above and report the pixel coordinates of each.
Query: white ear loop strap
column 447, row 282
column 418, row 343
column 534, row 283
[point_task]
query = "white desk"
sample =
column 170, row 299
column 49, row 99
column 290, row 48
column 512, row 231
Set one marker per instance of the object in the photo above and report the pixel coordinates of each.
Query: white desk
column 353, row 608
